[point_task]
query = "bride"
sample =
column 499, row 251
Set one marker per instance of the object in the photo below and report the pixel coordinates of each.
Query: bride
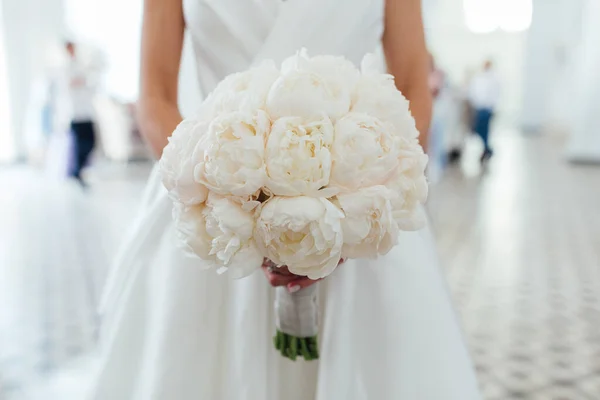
column 174, row 331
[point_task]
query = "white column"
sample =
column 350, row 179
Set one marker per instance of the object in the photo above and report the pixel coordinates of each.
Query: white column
column 584, row 142
column 7, row 140
column 30, row 26
column 554, row 31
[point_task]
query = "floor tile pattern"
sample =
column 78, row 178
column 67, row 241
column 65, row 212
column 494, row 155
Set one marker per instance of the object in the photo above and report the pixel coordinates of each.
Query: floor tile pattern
column 520, row 243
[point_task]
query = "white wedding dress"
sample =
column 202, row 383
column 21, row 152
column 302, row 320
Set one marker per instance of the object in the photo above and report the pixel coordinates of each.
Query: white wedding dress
column 172, row 331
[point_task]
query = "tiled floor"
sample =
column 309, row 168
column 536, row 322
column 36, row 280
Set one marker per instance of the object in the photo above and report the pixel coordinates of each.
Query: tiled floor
column 520, row 242
column 55, row 247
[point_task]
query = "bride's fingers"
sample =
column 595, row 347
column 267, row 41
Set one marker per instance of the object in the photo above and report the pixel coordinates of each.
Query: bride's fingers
column 282, row 269
column 276, row 278
column 281, row 276
column 300, row 283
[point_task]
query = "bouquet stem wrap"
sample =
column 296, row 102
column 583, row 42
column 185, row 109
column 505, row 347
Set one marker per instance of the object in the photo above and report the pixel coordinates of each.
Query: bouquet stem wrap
column 296, row 318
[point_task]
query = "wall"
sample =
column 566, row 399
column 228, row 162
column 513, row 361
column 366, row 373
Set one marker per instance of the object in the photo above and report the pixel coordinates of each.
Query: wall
column 550, row 49
column 584, row 141
column 88, row 21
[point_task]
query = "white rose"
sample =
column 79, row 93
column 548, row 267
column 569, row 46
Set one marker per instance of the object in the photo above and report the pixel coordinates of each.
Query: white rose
column 369, row 226
column 298, row 157
column 365, row 152
column 233, row 158
column 303, row 233
column 410, row 186
column 243, row 91
column 376, row 94
column 310, row 87
column 177, row 163
column 221, row 233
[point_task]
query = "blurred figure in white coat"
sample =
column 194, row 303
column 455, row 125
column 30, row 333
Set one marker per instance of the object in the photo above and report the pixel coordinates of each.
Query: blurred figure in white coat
column 484, row 94
column 81, row 84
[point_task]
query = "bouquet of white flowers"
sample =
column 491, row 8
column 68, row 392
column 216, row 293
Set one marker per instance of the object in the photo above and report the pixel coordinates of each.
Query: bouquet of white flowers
column 302, row 165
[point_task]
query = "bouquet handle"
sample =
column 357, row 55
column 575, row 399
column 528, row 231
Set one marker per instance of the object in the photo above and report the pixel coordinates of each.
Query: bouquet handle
column 296, row 318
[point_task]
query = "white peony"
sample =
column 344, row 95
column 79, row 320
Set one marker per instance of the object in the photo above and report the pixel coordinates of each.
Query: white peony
column 298, row 157
column 311, row 87
column 303, row 233
column 369, row 226
column 243, row 91
column 337, row 70
column 410, row 186
column 376, row 94
column 412, row 219
column 233, row 158
column 177, row 163
column 221, row 233
column 365, row 152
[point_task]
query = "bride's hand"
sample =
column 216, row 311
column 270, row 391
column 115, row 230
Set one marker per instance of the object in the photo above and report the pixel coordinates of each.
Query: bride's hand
column 281, row 276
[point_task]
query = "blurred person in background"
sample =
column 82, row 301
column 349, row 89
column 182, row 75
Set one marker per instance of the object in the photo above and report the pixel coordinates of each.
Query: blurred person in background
column 436, row 77
column 484, row 94
column 81, row 92
column 467, row 111
column 437, row 87
column 463, row 120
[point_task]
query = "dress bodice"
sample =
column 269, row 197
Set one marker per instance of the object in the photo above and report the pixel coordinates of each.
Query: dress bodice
column 230, row 35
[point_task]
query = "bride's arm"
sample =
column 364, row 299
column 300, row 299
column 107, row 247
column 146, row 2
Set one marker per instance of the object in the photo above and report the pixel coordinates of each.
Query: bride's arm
column 407, row 58
column 162, row 42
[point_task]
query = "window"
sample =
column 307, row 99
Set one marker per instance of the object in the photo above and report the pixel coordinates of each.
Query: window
column 485, row 16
